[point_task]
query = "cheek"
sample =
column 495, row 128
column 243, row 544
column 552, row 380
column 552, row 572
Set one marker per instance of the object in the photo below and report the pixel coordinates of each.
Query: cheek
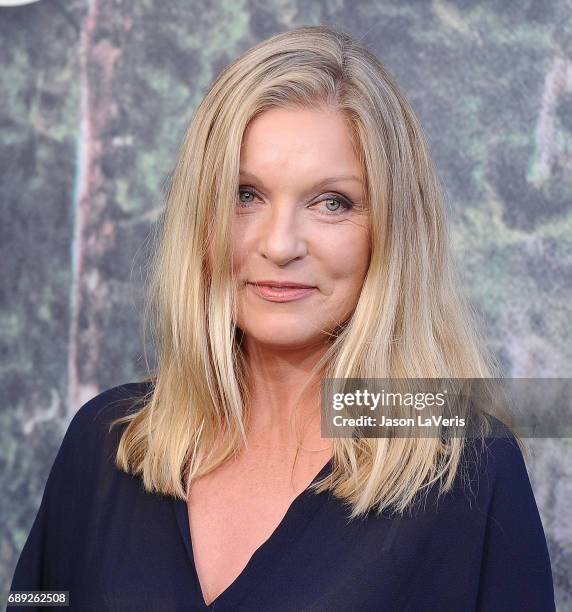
column 347, row 254
column 239, row 251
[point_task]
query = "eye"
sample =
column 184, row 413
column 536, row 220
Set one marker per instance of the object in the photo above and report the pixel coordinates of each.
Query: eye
column 248, row 192
column 336, row 205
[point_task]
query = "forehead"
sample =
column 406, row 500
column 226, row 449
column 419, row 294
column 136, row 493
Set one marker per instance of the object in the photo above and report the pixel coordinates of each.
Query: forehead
column 298, row 139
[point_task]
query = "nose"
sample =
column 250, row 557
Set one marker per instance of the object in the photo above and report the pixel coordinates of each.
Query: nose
column 281, row 238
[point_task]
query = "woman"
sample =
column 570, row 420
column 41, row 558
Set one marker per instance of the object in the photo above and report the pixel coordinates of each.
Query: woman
column 304, row 237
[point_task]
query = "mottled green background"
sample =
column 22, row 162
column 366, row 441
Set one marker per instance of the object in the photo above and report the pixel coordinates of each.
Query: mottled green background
column 95, row 98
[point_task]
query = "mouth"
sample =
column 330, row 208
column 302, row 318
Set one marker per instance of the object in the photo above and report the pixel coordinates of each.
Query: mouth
column 280, row 284
column 281, row 292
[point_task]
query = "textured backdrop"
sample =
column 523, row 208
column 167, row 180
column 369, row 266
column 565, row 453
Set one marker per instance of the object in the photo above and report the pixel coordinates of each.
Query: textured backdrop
column 94, row 99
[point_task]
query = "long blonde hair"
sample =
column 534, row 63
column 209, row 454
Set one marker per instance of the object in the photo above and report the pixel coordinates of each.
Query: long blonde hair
column 410, row 320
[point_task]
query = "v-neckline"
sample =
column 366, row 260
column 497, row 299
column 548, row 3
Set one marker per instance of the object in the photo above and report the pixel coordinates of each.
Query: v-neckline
column 299, row 512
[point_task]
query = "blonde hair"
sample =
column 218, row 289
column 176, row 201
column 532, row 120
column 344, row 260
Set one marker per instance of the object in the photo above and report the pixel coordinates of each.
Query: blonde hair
column 410, row 320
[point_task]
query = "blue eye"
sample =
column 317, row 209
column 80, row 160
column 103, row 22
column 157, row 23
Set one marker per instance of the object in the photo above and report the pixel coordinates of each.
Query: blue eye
column 341, row 203
column 247, row 191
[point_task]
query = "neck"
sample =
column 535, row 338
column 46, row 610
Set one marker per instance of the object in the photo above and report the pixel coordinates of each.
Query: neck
column 278, row 406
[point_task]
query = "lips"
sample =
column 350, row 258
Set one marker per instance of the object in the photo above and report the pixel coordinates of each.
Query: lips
column 281, row 292
column 285, row 284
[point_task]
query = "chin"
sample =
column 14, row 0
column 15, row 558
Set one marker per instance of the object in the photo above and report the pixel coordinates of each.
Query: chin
column 282, row 336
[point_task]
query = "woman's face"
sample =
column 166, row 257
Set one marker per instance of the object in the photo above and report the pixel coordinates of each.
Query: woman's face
column 299, row 218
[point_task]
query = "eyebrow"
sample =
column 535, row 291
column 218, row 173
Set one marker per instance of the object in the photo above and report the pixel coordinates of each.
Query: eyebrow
column 318, row 185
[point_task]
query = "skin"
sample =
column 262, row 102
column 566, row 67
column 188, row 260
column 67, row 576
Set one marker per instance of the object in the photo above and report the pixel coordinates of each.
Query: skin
column 284, row 228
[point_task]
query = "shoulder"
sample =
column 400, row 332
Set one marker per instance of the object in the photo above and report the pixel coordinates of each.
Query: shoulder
column 90, row 427
column 497, row 455
column 500, row 456
column 511, row 490
column 492, row 475
column 511, row 508
column 109, row 405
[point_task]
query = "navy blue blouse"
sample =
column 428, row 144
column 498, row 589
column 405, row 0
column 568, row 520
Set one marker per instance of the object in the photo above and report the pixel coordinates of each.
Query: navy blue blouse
column 99, row 535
